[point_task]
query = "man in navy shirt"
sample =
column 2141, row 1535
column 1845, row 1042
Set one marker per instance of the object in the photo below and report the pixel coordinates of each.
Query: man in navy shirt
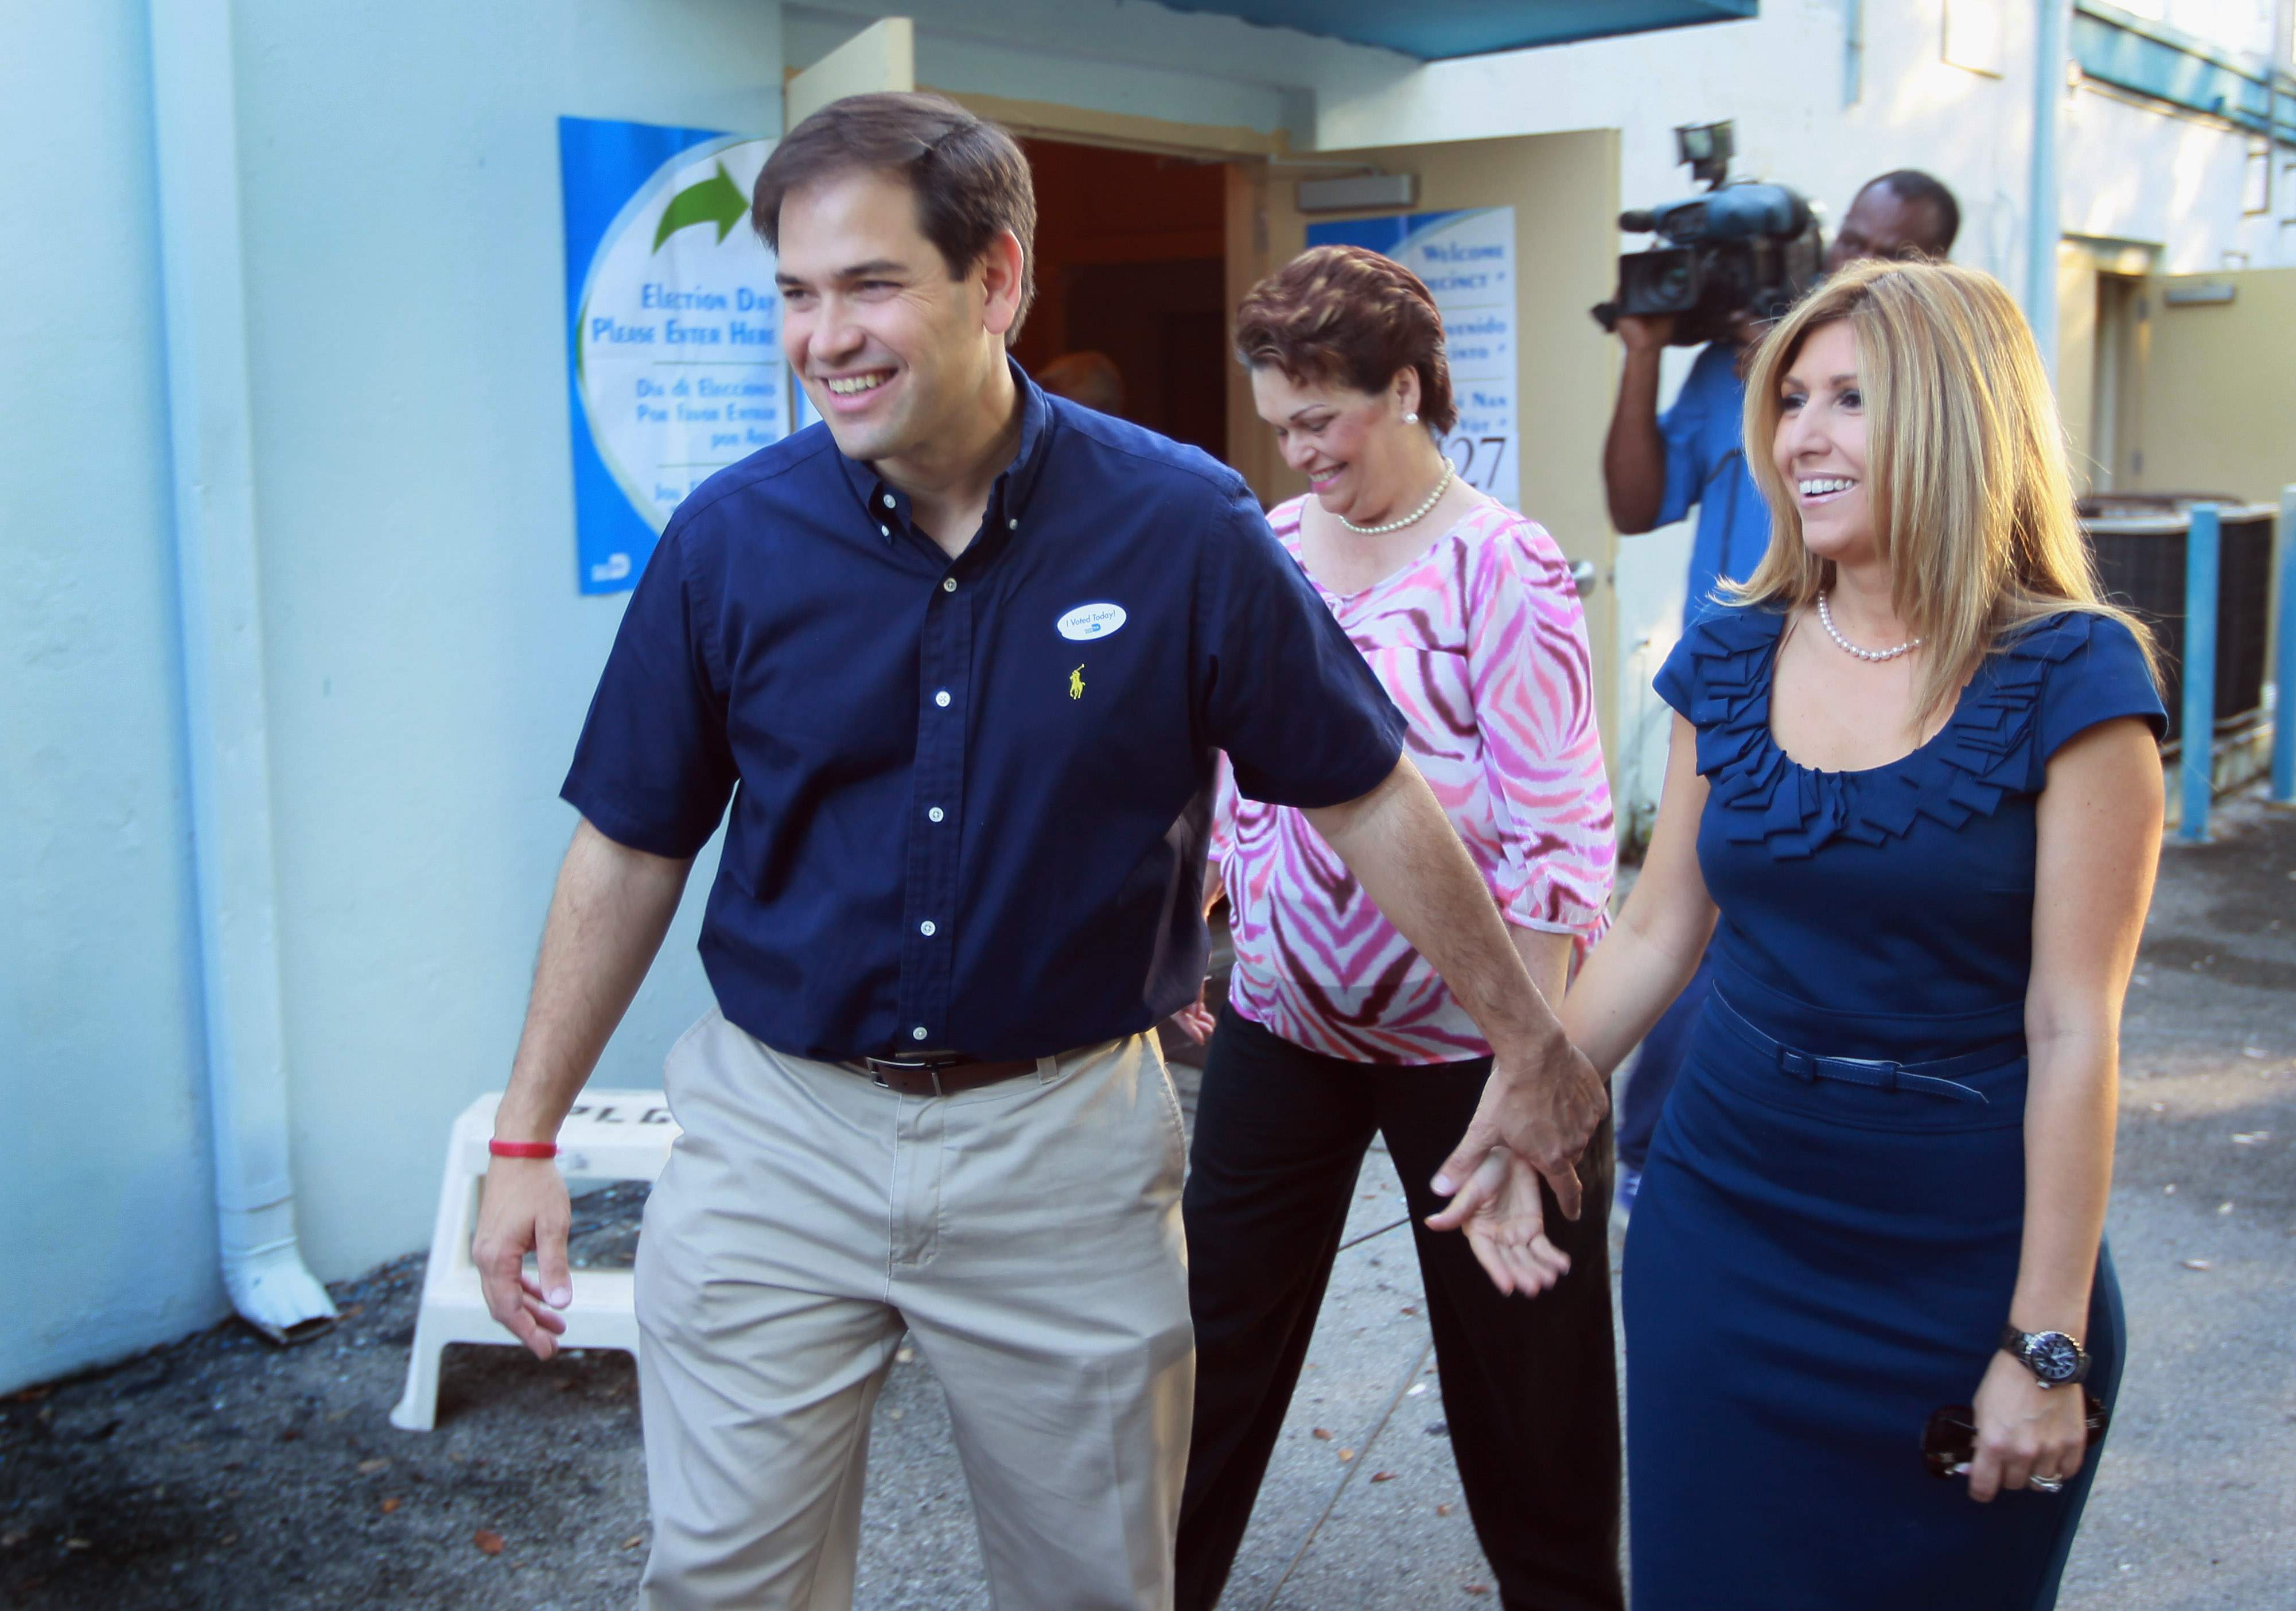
column 1655, row 466
column 959, row 659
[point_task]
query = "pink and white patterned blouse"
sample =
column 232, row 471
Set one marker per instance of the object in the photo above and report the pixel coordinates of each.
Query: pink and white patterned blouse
column 1481, row 644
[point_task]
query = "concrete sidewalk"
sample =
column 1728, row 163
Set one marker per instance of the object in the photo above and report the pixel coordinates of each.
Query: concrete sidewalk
column 220, row 1475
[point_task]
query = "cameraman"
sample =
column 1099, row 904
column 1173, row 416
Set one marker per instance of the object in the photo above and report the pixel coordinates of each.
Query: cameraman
column 1655, row 466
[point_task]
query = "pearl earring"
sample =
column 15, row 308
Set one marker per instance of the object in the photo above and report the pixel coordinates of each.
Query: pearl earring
column 1411, row 419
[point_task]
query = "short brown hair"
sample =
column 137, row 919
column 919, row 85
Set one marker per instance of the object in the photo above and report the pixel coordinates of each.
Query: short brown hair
column 1341, row 313
column 971, row 181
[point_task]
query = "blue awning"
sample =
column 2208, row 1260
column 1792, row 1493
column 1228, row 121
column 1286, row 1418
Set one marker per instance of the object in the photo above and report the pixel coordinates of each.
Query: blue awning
column 1439, row 30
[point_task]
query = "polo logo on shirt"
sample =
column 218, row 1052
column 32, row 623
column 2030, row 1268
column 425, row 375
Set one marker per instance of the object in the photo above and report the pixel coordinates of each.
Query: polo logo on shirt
column 1076, row 682
column 1087, row 622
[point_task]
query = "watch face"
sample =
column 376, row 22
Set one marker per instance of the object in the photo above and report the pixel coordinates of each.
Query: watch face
column 2052, row 1355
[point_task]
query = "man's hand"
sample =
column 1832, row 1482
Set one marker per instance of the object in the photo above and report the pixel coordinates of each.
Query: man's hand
column 1645, row 333
column 524, row 1207
column 1505, row 1224
column 1545, row 1114
column 1196, row 1021
column 607, row 918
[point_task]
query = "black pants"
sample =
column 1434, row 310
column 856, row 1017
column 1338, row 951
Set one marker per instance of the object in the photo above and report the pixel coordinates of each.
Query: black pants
column 1530, row 1386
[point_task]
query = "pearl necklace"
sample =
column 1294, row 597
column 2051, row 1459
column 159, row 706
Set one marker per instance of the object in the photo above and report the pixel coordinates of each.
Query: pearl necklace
column 1420, row 513
column 1825, row 620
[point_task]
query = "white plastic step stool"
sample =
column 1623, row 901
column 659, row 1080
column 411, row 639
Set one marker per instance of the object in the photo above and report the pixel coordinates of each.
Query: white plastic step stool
column 610, row 1135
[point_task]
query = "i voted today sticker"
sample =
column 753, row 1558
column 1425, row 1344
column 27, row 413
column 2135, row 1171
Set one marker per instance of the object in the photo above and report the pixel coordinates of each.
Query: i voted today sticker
column 1087, row 621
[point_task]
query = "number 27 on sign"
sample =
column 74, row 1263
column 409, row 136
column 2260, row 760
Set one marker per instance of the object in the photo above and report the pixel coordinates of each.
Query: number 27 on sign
column 1478, row 458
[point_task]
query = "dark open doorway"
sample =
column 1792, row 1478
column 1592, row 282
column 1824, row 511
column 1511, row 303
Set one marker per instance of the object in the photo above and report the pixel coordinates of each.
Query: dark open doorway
column 1131, row 264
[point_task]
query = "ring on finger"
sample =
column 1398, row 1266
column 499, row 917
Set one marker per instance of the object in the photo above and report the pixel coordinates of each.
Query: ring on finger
column 2045, row 1484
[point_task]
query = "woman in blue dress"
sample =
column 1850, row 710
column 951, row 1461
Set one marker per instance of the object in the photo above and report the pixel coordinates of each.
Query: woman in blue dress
column 1914, row 775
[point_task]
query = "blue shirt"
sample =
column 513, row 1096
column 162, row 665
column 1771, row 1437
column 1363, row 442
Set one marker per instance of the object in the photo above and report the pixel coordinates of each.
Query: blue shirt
column 1706, row 465
column 970, row 797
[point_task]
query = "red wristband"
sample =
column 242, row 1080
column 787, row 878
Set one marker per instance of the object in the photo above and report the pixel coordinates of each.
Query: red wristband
column 523, row 1149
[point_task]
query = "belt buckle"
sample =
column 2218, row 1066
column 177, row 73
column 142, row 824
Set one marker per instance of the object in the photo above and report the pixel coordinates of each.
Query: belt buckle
column 930, row 1066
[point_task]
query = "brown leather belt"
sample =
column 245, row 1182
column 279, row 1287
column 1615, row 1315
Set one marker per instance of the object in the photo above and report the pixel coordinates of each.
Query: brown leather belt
column 939, row 1074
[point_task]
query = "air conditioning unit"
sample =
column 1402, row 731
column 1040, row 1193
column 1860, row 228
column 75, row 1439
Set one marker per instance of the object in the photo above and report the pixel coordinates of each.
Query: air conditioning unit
column 2139, row 543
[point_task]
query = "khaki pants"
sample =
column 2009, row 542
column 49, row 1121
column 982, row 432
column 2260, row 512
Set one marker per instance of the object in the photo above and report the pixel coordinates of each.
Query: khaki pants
column 1027, row 1233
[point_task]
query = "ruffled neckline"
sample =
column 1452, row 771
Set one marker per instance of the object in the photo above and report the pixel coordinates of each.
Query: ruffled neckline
column 1982, row 755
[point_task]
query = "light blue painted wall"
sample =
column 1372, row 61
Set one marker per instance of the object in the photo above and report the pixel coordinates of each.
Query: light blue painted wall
column 429, row 660
column 104, row 1178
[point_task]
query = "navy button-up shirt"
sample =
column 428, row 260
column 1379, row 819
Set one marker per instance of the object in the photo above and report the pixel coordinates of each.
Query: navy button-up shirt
column 969, row 796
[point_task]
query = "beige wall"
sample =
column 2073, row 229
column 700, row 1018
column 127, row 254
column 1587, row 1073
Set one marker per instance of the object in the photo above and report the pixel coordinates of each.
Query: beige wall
column 2103, row 305
column 2077, row 358
column 2218, row 386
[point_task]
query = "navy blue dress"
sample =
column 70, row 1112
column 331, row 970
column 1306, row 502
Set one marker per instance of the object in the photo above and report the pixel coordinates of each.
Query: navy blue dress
column 1823, row 1251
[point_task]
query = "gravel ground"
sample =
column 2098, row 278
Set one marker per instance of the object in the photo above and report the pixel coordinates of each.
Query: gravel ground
column 222, row 1474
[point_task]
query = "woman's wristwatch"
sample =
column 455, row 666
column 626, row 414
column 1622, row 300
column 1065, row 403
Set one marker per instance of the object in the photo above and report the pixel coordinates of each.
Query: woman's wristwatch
column 2054, row 1358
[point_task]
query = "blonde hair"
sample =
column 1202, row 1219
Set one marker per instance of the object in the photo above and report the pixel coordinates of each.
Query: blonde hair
column 1966, row 467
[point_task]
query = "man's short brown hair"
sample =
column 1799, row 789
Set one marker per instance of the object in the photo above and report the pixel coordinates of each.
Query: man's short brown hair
column 970, row 179
column 1344, row 313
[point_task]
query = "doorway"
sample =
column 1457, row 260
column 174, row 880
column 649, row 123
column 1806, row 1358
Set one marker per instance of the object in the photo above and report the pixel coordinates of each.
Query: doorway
column 2118, row 455
column 1131, row 265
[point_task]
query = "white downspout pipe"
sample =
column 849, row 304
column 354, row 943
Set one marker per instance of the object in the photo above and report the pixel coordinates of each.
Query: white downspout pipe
column 2044, row 215
column 195, row 136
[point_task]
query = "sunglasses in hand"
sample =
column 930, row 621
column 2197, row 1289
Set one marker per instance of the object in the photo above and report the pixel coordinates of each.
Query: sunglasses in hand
column 1950, row 1443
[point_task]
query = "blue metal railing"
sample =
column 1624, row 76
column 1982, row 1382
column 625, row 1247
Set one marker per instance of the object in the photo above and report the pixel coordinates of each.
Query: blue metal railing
column 2196, row 765
column 2284, row 673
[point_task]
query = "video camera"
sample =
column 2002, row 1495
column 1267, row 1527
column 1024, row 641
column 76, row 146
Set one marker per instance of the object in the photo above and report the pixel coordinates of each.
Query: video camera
column 1742, row 248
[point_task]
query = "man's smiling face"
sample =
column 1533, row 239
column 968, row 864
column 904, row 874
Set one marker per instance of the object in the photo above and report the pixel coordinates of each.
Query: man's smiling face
column 888, row 343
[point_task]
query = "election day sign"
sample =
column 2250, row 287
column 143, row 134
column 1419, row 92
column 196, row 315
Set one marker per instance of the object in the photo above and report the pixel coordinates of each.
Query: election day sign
column 1468, row 260
column 674, row 329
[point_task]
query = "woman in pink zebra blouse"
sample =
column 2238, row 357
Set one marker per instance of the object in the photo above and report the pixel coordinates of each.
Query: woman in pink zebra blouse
column 1335, row 1029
